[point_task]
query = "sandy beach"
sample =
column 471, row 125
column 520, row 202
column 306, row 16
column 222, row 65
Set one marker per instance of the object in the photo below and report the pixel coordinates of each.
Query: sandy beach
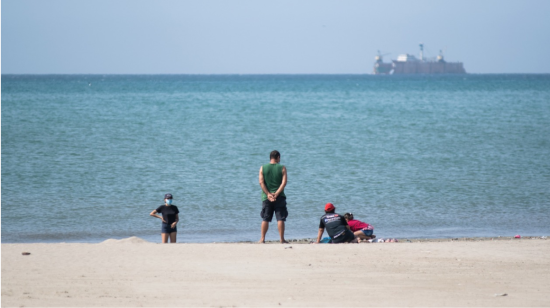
column 134, row 273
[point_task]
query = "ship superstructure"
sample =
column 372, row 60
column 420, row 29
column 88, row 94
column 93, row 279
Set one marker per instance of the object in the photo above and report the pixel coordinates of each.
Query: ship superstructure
column 409, row 64
column 380, row 67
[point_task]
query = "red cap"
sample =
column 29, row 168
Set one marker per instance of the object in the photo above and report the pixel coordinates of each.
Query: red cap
column 329, row 207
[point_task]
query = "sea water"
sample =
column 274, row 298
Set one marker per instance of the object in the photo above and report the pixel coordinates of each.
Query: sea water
column 86, row 158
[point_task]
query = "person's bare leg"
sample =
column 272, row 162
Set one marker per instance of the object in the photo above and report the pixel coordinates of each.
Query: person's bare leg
column 361, row 236
column 281, row 227
column 164, row 238
column 173, row 236
column 265, row 227
column 355, row 240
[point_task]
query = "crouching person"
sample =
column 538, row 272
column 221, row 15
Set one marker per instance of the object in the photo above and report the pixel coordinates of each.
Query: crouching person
column 362, row 230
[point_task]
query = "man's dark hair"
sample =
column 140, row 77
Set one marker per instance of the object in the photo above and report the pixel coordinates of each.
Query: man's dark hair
column 274, row 154
column 330, row 212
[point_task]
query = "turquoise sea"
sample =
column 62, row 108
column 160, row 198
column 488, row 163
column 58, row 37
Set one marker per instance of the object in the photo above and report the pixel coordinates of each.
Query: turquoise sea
column 86, row 158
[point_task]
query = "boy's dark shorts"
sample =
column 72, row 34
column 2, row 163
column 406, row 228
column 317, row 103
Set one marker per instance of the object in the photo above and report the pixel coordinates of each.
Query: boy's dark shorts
column 166, row 228
column 367, row 232
column 279, row 207
column 348, row 236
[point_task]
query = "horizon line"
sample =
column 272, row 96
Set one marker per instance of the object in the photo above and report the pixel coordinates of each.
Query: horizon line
column 269, row 74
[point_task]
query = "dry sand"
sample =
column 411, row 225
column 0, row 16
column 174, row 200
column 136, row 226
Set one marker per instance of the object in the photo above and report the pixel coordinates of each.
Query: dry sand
column 133, row 273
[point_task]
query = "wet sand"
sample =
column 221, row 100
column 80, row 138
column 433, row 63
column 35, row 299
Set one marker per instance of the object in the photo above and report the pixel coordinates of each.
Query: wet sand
column 485, row 272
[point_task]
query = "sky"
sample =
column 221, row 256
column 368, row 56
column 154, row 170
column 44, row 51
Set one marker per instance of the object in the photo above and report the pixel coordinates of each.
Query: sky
column 269, row 37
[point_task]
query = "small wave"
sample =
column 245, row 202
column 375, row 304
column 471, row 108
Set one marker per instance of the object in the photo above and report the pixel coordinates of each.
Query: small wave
column 130, row 240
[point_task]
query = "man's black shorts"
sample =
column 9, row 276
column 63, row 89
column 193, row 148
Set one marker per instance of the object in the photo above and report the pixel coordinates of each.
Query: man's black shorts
column 279, row 207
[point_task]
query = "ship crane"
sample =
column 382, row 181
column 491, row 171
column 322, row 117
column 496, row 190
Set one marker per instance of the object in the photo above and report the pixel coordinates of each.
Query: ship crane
column 441, row 56
column 379, row 58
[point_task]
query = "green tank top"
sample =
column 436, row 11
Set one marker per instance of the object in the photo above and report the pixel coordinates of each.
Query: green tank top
column 273, row 177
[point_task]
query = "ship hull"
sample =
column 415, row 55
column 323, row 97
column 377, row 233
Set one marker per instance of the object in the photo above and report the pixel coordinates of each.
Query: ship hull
column 418, row 67
column 381, row 68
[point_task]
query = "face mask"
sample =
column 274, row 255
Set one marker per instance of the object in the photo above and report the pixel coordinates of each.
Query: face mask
column 169, row 201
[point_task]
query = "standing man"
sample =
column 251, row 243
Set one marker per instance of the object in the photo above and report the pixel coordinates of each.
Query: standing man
column 273, row 181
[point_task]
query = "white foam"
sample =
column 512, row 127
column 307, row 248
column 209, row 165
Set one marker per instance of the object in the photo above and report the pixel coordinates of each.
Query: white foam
column 129, row 240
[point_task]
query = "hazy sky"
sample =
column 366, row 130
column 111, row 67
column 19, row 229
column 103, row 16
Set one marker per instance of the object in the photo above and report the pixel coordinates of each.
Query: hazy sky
column 268, row 37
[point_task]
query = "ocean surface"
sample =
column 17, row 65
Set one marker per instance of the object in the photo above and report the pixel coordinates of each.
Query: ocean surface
column 86, row 158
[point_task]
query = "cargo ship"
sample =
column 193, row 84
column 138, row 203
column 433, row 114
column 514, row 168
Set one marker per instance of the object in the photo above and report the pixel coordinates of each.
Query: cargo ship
column 409, row 64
